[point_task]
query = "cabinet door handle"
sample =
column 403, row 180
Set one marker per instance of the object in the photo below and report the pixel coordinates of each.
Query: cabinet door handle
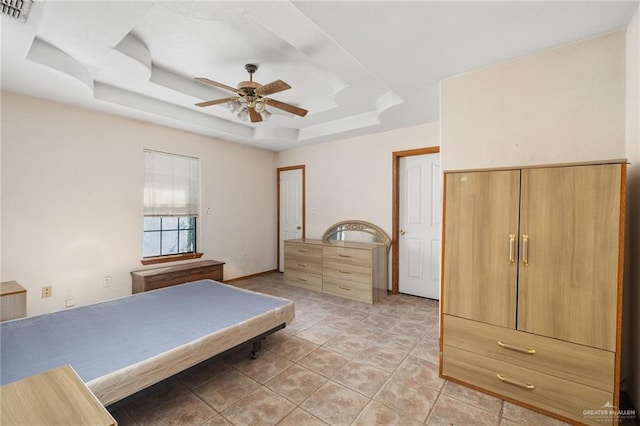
column 525, row 249
column 344, row 287
column 527, row 386
column 302, row 250
column 304, row 265
column 512, row 248
column 303, row 279
column 343, row 255
column 529, row 351
column 342, row 271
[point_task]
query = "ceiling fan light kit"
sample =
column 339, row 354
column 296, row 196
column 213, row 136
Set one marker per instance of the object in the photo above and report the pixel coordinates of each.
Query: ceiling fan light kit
column 251, row 100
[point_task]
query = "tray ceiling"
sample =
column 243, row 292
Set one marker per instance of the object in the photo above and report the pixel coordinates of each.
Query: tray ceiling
column 358, row 67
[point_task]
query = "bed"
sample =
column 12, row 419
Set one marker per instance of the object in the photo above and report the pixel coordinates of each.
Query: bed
column 122, row 346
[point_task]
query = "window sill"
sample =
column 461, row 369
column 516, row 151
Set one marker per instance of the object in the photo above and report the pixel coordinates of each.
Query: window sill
column 175, row 258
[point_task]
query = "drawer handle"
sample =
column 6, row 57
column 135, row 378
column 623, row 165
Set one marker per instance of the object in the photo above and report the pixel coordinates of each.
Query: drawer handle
column 529, row 351
column 342, row 271
column 344, row 287
column 527, row 386
column 304, row 265
column 343, row 255
column 302, row 250
column 303, row 279
column 525, row 249
column 512, row 248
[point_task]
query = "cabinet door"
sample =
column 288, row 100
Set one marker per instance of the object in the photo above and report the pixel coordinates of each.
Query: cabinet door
column 568, row 277
column 481, row 212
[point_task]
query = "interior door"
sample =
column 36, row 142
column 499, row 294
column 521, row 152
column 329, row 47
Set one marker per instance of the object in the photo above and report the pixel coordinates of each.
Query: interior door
column 420, row 212
column 290, row 207
column 480, row 245
column 569, row 261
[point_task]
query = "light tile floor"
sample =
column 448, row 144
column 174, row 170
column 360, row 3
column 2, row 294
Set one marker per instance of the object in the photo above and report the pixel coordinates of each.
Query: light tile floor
column 340, row 363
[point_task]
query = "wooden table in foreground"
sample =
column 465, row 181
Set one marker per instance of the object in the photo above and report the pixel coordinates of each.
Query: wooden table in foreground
column 55, row 397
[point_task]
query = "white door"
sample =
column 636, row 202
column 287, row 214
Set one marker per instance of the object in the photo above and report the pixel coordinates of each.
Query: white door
column 290, row 209
column 420, row 221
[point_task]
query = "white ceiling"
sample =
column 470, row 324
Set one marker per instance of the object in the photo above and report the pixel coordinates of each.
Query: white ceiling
column 359, row 67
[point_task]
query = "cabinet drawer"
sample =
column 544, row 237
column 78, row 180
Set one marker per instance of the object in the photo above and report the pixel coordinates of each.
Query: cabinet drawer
column 303, row 265
column 577, row 363
column 351, row 256
column 352, row 290
column 303, row 279
column 563, row 397
column 345, row 271
column 305, row 252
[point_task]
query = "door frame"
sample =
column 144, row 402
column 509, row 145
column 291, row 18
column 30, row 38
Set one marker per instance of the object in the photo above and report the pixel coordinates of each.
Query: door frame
column 304, row 207
column 395, row 215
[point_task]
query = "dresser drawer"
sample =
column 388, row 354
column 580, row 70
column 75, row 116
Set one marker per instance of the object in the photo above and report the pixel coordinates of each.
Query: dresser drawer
column 303, row 252
column 577, row 363
column 302, row 279
column 347, row 255
column 347, row 271
column 563, row 397
column 352, row 290
column 303, row 265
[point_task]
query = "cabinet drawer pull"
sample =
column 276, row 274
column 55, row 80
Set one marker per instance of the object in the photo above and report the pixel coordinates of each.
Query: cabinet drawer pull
column 512, row 248
column 302, row 250
column 524, row 350
column 342, row 271
column 344, row 287
column 343, row 255
column 527, row 386
column 304, row 265
column 303, row 279
column 525, row 249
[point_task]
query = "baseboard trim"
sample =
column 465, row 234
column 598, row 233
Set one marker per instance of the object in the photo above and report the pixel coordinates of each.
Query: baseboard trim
column 250, row 276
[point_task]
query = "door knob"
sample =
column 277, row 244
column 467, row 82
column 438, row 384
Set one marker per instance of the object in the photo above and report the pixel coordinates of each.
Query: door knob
column 402, row 232
column 298, row 227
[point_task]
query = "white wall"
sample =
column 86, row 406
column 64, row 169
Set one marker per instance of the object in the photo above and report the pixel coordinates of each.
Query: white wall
column 72, row 184
column 352, row 178
column 561, row 105
column 631, row 313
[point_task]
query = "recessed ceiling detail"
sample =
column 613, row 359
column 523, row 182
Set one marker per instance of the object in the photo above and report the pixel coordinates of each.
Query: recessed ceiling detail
column 357, row 67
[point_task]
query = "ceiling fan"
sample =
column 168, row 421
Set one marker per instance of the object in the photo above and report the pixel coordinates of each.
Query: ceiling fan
column 251, row 99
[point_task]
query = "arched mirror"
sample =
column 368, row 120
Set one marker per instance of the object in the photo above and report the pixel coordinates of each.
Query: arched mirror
column 356, row 231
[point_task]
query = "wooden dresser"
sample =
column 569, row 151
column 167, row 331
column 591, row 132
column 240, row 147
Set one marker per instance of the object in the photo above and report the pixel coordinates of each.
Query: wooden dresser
column 55, row 397
column 151, row 279
column 349, row 269
column 13, row 301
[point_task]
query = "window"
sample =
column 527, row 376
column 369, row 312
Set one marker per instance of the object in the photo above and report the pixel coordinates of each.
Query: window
column 171, row 204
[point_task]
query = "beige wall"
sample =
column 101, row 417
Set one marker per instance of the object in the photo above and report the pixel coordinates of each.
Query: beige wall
column 632, row 285
column 72, row 200
column 560, row 105
column 352, row 178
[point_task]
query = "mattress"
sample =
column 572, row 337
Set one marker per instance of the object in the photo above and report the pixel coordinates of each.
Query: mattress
column 122, row 346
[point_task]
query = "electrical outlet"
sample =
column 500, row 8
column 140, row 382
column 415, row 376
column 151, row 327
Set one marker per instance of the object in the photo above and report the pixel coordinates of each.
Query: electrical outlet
column 46, row 291
column 106, row 281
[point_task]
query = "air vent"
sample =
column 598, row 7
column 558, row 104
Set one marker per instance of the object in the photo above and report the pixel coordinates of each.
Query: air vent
column 18, row 9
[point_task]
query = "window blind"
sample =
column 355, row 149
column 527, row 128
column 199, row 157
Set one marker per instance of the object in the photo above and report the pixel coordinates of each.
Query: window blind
column 171, row 184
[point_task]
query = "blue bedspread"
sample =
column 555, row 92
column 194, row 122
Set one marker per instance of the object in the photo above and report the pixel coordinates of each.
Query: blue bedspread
column 105, row 337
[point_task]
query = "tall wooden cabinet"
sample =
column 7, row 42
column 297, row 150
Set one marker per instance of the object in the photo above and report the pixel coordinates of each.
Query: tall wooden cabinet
column 532, row 277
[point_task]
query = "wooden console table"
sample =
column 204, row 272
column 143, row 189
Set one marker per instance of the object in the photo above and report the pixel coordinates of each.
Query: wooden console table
column 151, row 279
column 55, row 397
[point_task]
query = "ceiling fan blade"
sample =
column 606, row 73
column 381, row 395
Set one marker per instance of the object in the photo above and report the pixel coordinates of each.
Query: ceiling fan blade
column 215, row 83
column 215, row 101
column 273, row 87
column 287, row 107
column 253, row 115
